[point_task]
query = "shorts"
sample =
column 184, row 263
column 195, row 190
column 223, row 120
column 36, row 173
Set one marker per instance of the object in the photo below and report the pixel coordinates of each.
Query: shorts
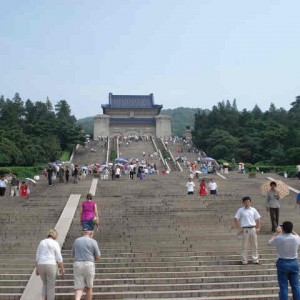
column 190, row 193
column 88, row 225
column 84, row 274
column 213, row 192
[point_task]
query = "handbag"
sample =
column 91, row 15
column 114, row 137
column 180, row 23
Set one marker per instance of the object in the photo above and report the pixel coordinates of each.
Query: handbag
column 96, row 220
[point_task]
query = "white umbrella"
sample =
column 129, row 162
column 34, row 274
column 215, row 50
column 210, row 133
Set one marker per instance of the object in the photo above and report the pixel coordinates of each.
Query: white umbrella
column 30, row 179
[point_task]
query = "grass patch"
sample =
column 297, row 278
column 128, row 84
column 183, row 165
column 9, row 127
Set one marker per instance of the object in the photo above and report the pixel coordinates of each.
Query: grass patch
column 65, row 156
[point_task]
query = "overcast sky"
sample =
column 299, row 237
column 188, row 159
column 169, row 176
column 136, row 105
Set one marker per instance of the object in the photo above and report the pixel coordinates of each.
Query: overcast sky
column 190, row 53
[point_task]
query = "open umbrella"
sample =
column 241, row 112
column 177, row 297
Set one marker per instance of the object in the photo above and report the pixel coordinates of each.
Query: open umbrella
column 121, row 160
column 281, row 188
column 207, row 159
column 30, row 180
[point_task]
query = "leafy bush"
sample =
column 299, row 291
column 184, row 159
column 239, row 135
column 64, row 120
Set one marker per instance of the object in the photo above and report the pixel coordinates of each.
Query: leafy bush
column 23, row 172
column 65, row 156
column 113, row 154
column 165, row 154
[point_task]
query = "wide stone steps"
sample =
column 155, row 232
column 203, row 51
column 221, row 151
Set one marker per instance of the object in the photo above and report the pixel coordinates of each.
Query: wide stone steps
column 156, row 242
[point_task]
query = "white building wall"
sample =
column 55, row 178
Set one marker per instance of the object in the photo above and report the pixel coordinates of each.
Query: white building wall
column 163, row 126
column 101, row 126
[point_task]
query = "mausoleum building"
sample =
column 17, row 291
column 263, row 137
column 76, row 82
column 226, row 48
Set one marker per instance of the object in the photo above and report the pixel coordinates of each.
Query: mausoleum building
column 127, row 115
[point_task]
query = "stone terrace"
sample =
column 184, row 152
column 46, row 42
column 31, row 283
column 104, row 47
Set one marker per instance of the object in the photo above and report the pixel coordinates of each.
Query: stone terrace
column 156, row 241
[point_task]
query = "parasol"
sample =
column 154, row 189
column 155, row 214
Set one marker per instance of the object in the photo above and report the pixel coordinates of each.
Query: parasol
column 121, row 160
column 207, row 159
column 31, row 180
column 282, row 188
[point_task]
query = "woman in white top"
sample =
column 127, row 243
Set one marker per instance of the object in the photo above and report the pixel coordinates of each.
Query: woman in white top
column 48, row 254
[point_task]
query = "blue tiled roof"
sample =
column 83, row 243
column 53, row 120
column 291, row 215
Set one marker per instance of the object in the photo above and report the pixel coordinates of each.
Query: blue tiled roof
column 132, row 121
column 131, row 101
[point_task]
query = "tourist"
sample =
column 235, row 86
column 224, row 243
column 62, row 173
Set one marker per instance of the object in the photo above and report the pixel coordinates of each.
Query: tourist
column 287, row 242
column 67, row 174
column 298, row 202
column 89, row 213
column 75, row 174
column 118, row 171
column 61, row 174
column 3, row 185
column 273, row 205
column 49, row 174
column 202, row 191
column 298, row 171
column 190, row 185
column 142, row 175
column 85, row 251
column 247, row 220
column 48, row 254
column 105, row 173
column 131, row 170
column 212, row 187
column 24, row 189
column 113, row 173
column 14, row 186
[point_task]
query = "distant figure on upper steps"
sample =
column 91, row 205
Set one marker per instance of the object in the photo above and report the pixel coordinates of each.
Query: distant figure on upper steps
column 202, row 191
column 190, row 185
column 213, row 187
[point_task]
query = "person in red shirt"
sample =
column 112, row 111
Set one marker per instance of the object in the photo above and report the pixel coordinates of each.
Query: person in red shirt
column 203, row 191
column 24, row 189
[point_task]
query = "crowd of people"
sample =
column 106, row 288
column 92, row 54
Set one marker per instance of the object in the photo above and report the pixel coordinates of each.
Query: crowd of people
column 17, row 187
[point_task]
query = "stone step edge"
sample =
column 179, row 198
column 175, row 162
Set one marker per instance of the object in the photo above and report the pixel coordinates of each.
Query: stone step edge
column 128, row 286
column 175, row 292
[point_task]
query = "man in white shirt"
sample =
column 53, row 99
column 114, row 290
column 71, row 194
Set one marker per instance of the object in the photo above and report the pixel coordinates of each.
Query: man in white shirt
column 287, row 242
column 212, row 187
column 190, row 187
column 247, row 220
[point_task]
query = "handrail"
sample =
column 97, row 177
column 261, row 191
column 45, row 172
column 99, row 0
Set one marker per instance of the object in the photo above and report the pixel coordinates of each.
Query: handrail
column 107, row 150
column 118, row 148
column 171, row 155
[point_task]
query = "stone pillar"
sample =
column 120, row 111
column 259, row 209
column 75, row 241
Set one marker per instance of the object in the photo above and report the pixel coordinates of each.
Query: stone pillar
column 188, row 133
column 163, row 126
column 101, row 126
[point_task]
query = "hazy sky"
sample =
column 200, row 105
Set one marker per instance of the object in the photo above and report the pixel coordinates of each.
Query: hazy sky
column 190, row 53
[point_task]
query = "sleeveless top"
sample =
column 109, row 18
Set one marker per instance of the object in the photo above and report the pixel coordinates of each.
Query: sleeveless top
column 88, row 210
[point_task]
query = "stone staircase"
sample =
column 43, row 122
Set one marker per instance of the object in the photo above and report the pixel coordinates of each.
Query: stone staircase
column 156, row 241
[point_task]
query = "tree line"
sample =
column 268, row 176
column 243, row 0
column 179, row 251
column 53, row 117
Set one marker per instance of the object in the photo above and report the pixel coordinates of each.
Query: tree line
column 35, row 132
column 270, row 137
